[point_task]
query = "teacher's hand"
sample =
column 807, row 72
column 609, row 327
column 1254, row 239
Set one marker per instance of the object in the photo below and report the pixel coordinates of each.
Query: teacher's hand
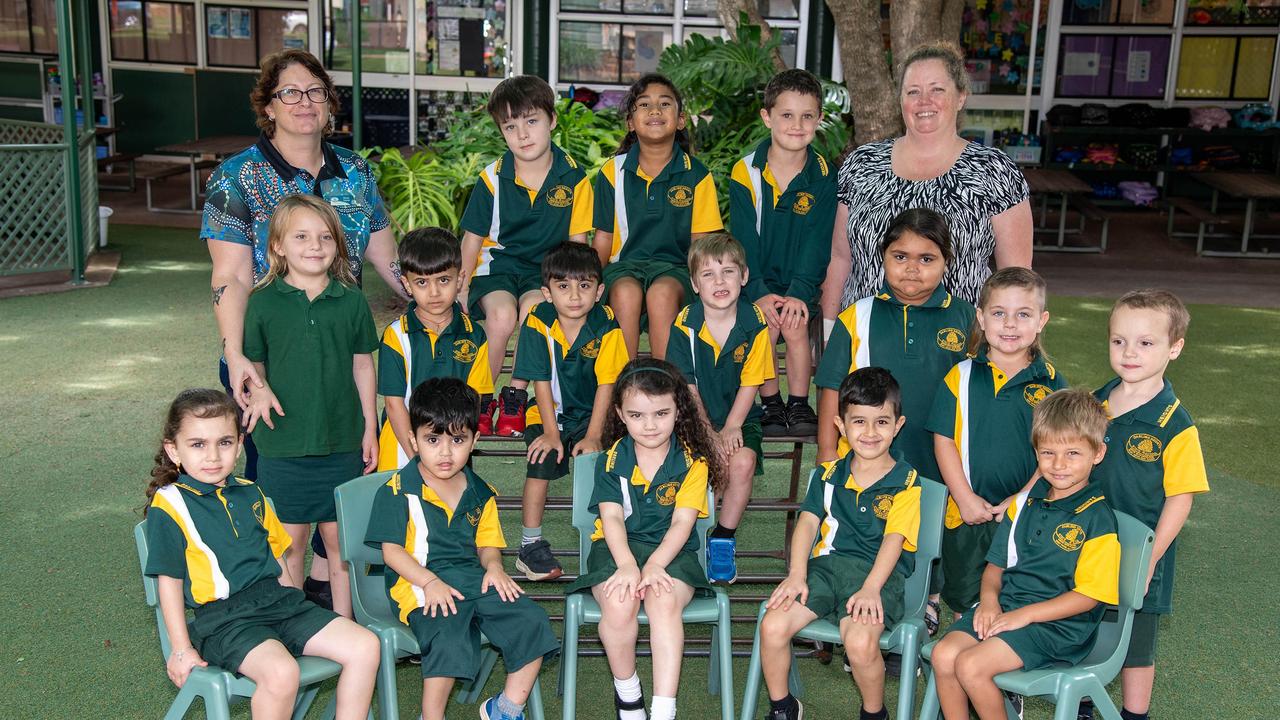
column 240, row 370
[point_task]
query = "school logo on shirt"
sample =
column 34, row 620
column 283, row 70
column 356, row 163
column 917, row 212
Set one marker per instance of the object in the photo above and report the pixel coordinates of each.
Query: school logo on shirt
column 882, row 506
column 258, row 514
column 591, row 349
column 803, row 204
column 666, row 493
column 474, row 516
column 464, row 351
column 951, row 339
column 680, row 196
column 740, row 353
column 560, row 196
column 1035, row 392
column 1144, row 447
column 1068, row 536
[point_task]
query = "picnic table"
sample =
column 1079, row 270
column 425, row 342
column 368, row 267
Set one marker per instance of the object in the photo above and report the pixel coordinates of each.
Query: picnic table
column 1251, row 187
column 1071, row 190
column 219, row 146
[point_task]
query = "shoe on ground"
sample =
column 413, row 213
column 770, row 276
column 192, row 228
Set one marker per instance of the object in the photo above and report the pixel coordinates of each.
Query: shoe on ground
column 318, row 592
column 797, row 714
column 931, row 614
column 489, row 710
column 537, row 563
column 620, row 705
column 801, row 420
column 486, row 418
column 511, row 407
column 1016, row 701
column 1085, row 712
column 773, row 423
column 722, row 560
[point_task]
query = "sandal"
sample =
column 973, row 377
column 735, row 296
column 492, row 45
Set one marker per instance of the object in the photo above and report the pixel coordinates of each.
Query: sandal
column 931, row 617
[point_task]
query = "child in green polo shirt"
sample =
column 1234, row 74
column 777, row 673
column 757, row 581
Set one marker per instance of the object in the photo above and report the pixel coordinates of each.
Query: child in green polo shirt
column 1052, row 567
column 437, row 525
column 309, row 332
column 782, row 205
column 1153, row 467
column 721, row 344
column 524, row 204
column 433, row 338
column 651, row 199
column 650, row 490
column 216, row 546
column 573, row 354
column 981, row 422
column 867, row 506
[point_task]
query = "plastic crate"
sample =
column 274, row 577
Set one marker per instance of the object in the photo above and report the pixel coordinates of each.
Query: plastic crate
column 1024, row 154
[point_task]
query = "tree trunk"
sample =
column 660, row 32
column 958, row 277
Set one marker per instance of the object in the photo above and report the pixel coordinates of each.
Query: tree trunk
column 729, row 12
column 876, row 114
column 916, row 22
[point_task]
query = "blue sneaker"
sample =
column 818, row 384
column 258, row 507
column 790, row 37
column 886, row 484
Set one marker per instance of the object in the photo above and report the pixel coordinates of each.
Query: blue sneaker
column 489, row 711
column 722, row 561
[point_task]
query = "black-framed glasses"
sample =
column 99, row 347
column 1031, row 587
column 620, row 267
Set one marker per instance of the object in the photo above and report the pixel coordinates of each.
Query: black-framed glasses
column 293, row 96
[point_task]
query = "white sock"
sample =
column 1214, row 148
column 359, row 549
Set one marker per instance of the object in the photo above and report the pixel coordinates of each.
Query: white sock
column 628, row 690
column 663, row 708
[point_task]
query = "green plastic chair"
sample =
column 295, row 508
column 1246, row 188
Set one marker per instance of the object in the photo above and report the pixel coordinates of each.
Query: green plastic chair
column 903, row 638
column 581, row 608
column 373, row 610
column 1066, row 686
column 218, row 687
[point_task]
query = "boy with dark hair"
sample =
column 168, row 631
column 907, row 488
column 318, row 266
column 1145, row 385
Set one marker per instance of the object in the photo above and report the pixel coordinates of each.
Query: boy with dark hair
column 433, row 338
column 782, row 204
column 452, row 588
column 573, row 352
column 867, row 507
column 524, row 204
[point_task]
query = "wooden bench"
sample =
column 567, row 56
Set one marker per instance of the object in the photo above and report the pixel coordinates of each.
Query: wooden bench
column 160, row 172
column 1071, row 191
column 129, row 159
column 1090, row 211
column 1205, row 219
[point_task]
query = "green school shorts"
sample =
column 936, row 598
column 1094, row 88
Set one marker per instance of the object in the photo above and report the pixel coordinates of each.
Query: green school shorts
column 1038, row 645
column 450, row 645
column 1143, row 640
column 600, row 567
column 647, row 273
column 550, row 468
column 834, row 578
column 964, row 559
column 225, row 631
column 516, row 284
column 302, row 487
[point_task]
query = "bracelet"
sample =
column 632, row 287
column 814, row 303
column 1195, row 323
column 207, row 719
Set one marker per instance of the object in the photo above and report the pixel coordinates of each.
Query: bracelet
column 425, row 584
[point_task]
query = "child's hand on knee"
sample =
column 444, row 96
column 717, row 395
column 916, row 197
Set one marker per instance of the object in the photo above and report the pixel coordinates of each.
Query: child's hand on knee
column 181, row 663
column 768, row 305
column 654, row 577
column 983, row 616
column 865, row 607
column 793, row 313
column 439, row 597
column 625, row 581
column 542, row 447
column 502, row 583
column 1012, row 620
column 731, row 439
column 588, row 444
column 792, row 589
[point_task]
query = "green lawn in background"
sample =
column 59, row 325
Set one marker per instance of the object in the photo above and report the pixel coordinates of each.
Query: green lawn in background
column 89, row 374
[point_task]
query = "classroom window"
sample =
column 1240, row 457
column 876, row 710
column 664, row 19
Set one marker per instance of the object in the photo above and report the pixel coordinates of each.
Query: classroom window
column 615, row 53
column 15, row 26
column 44, row 27
column 241, row 36
column 1211, row 68
column 769, row 9
column 1240, row 12
column 1128, row 12
column 451, row 37
column 153, row 31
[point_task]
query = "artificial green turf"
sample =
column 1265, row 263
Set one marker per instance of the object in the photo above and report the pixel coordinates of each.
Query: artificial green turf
column 89, row 373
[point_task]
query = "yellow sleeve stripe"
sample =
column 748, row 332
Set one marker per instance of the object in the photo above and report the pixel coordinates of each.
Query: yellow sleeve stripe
column 706, row 208
column 580, row 220
column 759, row 365
column 1098, row 569
column 904, row 517
column 607, row 171
column 742, row 176
column 391, row 339
column 276, row 536
column 480, row 377
column 489, row 530
column 849, row 319
column 952, row 383
column 1184, row 464
column 612, row 357
column 693, row 491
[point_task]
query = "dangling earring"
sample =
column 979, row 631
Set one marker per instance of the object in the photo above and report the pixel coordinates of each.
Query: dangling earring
column 178, row 464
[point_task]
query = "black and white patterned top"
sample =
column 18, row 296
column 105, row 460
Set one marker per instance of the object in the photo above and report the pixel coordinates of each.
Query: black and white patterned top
column 981, row 184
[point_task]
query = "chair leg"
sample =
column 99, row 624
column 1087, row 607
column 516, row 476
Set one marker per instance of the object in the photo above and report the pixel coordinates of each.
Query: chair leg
column 751, row 684
column 929, row 707
column 470, row 692
column 713, row 672
column 1103, row 706
column 569, row 657
column 534, row 704
column 907, row 676
column 306, row 696
column 1067, row 704
column 724, row 648
column 217, row 699
column 388, row 703
column 187, row 695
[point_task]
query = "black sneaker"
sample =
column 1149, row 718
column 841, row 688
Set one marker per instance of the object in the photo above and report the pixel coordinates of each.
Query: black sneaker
column 1085, row 712
column 801, row 419
column 1016, row 701
column 774, row 420
column 621, row 705
column 318, row 592
column 797, row 712
column 537, row 563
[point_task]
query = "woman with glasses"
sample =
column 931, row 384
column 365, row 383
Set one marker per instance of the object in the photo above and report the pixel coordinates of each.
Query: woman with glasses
column 295, row 102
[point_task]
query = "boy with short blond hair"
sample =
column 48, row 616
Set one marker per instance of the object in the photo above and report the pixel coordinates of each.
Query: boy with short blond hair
column 782, row 205
column 1154, row 466
column 721, row 344
column 524, row 204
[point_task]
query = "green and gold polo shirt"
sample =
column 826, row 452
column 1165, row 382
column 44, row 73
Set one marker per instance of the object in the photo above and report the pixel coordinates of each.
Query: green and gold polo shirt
column 218, row 539
column 785, row 232
column 744, row 361
column 407, row 512
column 647, row 505
column 856, row 518
column 575, row 370
column 1153, row 453
column 521, row 224
column 655, row 218
column 917, row 343
column 988, row 415
column 1051, row 547
column 307, row 347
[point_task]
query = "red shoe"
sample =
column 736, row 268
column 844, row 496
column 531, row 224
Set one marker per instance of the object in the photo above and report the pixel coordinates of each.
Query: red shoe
column 486, row 417
column 511, row 412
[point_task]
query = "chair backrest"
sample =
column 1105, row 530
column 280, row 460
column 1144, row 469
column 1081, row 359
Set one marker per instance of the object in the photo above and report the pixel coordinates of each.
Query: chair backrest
column 584, row 482
column 354, row 500
column 151, row 587
column 1136, row 543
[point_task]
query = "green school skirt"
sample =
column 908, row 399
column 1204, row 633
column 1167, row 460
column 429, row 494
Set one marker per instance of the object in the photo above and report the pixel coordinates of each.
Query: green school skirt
column 302, row 487
column 600, row 567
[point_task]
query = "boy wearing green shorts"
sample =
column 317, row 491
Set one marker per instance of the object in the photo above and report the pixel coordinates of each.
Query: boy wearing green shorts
column 437, row 525
column 721, row 344
column 573, row 352
column 524, row 204
column 782, row 205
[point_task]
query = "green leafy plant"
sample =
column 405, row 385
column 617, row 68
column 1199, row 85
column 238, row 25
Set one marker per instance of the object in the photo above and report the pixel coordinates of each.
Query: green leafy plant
column 422, row 190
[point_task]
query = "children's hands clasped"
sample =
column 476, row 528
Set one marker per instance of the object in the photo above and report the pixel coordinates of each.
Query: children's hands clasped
column 439, row 596
column 792, row 589
column 502, row 584
column 865, row 607
column 181, row 663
